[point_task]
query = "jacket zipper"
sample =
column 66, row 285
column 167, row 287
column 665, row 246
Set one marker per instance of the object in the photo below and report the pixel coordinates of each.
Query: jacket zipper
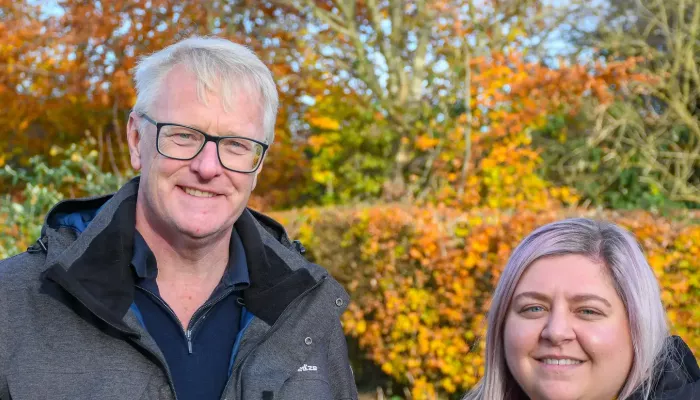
column 190, row 330
column 272, row 330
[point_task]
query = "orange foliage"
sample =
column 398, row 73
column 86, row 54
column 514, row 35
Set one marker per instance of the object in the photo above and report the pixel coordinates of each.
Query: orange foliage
column 66, row 75
column 510, row 97
column 284, row 176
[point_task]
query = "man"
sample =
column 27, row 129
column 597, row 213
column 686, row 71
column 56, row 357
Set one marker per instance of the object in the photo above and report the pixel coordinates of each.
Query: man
column 171, row 288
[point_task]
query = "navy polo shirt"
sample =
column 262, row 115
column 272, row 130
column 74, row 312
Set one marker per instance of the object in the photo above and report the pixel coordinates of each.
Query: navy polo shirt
column 198, row 355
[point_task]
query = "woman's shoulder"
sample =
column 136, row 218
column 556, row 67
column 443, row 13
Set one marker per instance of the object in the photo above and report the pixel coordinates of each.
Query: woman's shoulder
column 678, row 376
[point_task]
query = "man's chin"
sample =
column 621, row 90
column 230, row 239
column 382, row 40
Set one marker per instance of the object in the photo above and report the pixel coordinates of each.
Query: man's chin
column 199, row 226
column 200, row 230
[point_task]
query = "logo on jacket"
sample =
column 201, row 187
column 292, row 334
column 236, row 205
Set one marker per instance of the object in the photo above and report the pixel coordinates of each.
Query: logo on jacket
column 305, row 367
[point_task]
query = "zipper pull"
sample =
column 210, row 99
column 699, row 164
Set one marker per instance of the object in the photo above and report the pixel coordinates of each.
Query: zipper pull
column 189, row 341
column 299, row 247
column 38, row 246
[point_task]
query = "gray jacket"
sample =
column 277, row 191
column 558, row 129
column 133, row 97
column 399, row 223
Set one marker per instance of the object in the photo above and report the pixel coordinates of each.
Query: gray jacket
column 68, row 329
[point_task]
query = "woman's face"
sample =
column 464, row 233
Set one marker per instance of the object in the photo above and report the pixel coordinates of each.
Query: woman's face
column 567, row 335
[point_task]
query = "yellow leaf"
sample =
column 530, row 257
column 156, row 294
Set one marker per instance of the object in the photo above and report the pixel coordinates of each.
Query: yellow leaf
column 425, row 142
column 326, row 123
column 361, row 327
column 317, row 142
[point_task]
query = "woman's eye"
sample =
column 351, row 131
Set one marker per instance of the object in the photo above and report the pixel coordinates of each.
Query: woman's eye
column 533, row 309
column 588, row 312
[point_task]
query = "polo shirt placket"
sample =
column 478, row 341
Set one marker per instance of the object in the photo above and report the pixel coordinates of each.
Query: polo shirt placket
column 197, row 355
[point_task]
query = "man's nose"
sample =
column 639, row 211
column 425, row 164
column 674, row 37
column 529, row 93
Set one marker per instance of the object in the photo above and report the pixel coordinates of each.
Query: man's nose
column 207, row 163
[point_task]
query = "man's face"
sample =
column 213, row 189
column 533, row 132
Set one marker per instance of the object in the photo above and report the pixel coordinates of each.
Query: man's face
column 197, row 198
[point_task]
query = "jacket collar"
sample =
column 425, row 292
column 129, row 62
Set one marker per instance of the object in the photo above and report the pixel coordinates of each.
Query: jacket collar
column 273, row 282
column 678, row 375
column 94, row 265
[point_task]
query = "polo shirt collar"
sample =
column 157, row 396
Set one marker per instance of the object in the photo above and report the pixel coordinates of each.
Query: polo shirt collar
column 236, row 274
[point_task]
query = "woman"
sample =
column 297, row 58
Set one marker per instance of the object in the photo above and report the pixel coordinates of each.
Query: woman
column 577, row 314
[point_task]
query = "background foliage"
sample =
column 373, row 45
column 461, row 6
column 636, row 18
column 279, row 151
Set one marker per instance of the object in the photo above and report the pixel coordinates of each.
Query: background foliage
column 41, row 185
column 421, row 279
column 417, row 142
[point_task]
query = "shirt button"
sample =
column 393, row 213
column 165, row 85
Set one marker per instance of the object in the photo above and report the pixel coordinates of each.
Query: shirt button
column 339, row 302
column 308, row 341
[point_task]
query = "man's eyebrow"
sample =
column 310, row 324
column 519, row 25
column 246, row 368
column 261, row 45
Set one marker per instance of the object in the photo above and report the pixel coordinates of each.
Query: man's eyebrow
column 227, row 133
column 578, row 298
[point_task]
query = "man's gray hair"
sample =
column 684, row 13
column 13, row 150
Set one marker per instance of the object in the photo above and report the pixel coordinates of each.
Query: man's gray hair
column 634, row 282
column 220, row 66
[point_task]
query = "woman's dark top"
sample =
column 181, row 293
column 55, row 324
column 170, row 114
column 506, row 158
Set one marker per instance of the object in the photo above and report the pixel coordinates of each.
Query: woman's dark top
column 679, row 376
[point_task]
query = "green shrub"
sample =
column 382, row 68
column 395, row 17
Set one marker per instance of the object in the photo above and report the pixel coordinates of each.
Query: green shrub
column 40, row 185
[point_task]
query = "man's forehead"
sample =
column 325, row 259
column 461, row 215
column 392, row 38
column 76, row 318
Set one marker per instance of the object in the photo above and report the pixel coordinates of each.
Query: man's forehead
column 224, row 86
column 226, row 107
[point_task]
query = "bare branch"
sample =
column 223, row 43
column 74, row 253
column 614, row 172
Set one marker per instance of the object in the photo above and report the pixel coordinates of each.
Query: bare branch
column 468, row 127
column 419, row 58
column 332, row 20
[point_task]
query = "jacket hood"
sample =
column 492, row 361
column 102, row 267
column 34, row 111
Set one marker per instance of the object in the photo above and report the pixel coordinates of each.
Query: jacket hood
column 678, row 377
column 89, row 245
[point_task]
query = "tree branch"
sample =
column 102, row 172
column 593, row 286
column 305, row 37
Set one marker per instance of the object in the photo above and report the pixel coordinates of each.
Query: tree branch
column 419, row 58
column 330, row 19
column 468, row 127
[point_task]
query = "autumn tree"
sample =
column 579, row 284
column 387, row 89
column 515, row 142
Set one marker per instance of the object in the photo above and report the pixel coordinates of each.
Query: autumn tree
column 450, row 91
column 66, row 74
column 644, row 149
column 28, row 72
column 412, row 100
column 397, row 58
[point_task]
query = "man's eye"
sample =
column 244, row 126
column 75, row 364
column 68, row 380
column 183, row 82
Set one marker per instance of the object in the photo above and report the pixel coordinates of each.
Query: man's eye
column 237, row 145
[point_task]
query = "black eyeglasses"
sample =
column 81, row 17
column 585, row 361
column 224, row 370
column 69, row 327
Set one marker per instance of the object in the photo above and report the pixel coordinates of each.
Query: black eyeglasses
column 180, row 142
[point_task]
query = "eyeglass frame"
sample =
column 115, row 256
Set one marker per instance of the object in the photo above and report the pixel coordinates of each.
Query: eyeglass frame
column 207, row 138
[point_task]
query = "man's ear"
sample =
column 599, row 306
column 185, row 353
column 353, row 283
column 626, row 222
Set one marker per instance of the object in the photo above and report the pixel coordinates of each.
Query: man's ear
column 133, row 137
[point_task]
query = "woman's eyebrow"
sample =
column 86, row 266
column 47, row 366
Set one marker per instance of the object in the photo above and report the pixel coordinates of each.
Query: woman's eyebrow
column 578, row 298
column 534, row 295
